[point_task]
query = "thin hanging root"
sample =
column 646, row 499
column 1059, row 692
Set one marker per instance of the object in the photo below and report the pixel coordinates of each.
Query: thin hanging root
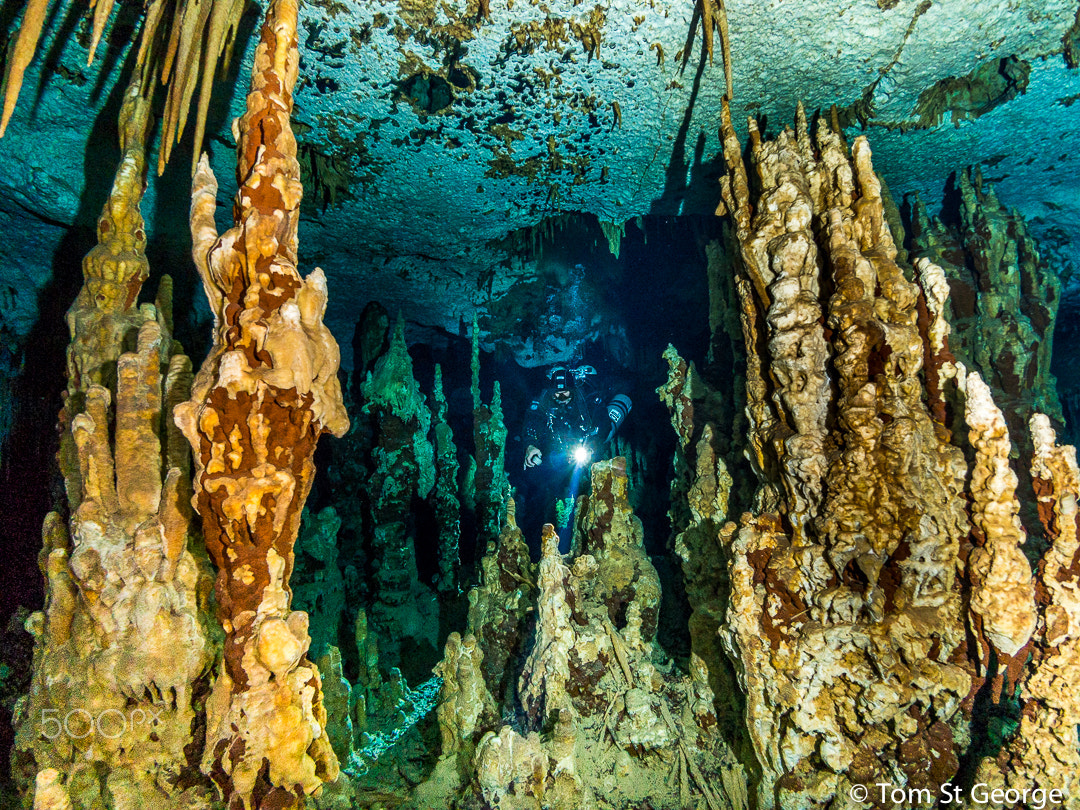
column 725, row 43
column 102, row 10
column 21, row 54
column 713, row 17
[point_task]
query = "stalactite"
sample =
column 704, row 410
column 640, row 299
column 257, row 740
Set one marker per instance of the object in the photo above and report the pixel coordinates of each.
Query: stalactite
column 125, row 643
column 262, row 398
column 186, row 39
column 845, row 615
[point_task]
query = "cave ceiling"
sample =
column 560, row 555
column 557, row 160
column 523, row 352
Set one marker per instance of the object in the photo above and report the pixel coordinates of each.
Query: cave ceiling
column 430, row 132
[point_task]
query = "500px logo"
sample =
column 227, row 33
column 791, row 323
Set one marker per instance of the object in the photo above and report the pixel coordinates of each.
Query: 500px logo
column 79, row 723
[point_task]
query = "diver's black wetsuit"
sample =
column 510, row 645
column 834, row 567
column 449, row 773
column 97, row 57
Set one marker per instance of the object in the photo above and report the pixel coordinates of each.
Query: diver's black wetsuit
column 558, row 429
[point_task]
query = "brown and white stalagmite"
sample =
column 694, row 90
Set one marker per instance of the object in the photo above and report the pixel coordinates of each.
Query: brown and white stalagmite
column 1043, row 752
column 261, row 400
column 845, row 616
column 1002, row 591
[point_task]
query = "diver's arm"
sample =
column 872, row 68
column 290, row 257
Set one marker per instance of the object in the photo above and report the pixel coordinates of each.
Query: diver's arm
column 533, row 423
column 617, row 409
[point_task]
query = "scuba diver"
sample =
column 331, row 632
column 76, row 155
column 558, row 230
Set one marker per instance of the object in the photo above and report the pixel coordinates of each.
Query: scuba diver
column 566, row 428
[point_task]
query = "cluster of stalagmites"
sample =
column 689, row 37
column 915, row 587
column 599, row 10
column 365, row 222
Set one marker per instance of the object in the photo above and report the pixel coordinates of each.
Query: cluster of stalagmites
column 1003, row 300
column 126, row 641
column 137, row 701
column 844, row 631
column 595, row 715
column 864, row 610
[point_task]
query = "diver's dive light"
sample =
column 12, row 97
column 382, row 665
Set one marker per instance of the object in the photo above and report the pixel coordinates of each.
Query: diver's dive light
column 582, row 454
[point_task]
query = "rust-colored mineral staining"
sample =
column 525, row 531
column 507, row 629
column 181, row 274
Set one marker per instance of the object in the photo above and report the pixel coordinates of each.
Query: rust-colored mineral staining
column 263, row 397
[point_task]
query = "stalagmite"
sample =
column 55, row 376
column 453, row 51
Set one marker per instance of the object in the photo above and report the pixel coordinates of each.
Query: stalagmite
column 444, row 495
column 261, row 400
column 464, row 698
column 1044, row 753
column 498, row 605
column 125, row 642
column 606, row 715
column 543, row 681
column 490, row 485
column 1002, row 593
column 1002, row 304
column 700, row 493
column 402, row 464
column 845, row 615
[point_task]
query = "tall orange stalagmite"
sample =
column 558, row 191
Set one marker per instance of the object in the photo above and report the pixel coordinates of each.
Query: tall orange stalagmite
column 261, row 400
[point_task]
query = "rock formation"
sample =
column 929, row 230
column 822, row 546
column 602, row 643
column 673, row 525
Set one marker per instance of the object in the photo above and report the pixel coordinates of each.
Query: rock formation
column 500, row 603
column 446, row 502
column 259, row 403
column 845, row 617
column 318, row 588
column 1003, row 301
column 602, row 712
column 1042, row 753
column 867, row 613
column 126, row 642
column 401, row 475
column 489, row 489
